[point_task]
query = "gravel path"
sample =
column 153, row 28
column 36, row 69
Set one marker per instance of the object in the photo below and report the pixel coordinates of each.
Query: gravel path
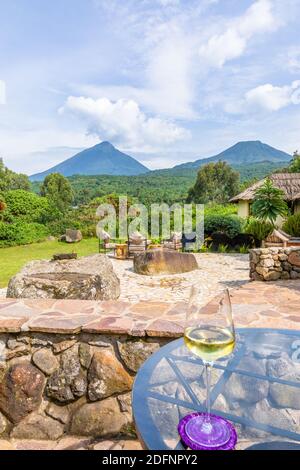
column 216, row 272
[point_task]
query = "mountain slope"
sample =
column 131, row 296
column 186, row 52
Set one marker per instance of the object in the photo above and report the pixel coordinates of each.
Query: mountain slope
column 247, row 171
column 102, row 159
column 242, row 153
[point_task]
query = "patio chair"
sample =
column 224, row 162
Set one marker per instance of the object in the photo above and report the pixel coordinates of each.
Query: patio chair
column 278, row 238
column 189, row 241
column 174, row 242
column 105, row 243
column 137, row 243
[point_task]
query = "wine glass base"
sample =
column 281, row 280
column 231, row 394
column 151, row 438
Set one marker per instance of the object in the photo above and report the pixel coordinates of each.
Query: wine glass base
column 197, row 434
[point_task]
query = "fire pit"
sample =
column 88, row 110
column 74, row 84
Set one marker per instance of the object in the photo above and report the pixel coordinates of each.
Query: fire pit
column 162, row 261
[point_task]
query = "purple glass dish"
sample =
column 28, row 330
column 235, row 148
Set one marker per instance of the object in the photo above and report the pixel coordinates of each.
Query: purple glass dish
column 222, row 436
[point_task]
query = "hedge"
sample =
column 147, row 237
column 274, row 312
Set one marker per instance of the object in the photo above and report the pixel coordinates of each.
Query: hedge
column 230, row 225
column 21, row 233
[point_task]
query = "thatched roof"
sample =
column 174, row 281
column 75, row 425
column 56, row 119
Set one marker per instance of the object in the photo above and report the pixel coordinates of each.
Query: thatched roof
column 289, row 183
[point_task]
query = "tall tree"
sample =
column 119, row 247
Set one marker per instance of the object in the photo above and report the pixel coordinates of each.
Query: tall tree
column 295, row 163
column 11, row 180
column 269, row 203
column 58, row 190
column 216, row 182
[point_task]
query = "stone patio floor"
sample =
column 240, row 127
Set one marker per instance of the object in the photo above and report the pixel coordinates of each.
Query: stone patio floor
column 216, row 271
column 255, row 304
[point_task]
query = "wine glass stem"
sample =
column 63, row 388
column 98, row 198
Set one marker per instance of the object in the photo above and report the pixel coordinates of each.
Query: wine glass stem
column 207, row 379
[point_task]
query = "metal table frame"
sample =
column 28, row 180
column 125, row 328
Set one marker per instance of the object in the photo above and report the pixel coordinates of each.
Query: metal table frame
column 142, row 390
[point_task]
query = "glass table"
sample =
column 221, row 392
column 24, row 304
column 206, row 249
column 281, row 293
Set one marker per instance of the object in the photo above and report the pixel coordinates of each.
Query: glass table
column 257, row 388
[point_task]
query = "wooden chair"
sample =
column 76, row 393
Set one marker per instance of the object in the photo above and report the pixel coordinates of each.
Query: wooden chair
column 278, row 238
column 105, row 243
column 173, row 243
column 137, row 244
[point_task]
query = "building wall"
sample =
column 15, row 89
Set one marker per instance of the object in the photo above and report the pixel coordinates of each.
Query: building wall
column 280, row 221
column 244, row 209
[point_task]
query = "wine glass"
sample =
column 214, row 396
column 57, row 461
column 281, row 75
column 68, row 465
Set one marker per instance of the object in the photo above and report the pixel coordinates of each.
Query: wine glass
column 210, row 336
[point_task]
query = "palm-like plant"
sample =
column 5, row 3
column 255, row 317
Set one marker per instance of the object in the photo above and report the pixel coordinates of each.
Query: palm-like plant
column 269, row 202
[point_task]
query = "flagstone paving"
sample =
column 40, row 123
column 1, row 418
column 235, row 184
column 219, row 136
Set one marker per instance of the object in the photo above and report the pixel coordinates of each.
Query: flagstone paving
column 255, row 304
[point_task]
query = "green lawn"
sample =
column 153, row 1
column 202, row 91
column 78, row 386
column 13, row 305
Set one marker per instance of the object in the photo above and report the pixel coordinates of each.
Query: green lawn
column 13, row 259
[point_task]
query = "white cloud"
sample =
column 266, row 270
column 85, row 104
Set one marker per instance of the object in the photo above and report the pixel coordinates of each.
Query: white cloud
column 266, row 98
column 168, row 43
column 293, row 59
column 160, row 72
column 124, row 123
column 2, row 92
column 166, row 3
column 273, row 98
column 170, row 75
column 233, row 42
column 169, row 84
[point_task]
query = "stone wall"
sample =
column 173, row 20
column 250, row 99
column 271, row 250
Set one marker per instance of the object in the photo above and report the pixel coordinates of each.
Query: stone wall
column 52, row 385
column 271, row 264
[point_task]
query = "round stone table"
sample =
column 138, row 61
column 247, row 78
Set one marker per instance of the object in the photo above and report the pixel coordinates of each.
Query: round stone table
column 257, row 388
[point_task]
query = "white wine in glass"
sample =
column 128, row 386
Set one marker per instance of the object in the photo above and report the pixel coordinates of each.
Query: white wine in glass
column 209, row 343
column 210, row 336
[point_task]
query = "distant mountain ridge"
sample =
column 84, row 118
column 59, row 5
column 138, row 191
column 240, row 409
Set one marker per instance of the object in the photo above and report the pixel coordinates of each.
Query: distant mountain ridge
column 242, row 153
column 255, row 157
column 102, row 159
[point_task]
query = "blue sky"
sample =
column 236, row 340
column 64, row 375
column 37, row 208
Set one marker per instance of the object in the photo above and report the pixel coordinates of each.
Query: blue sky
column 164, row 80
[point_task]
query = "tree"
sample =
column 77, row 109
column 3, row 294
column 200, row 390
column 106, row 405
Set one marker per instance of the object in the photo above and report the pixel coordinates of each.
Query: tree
column 58, row 190
column 295, row 163
column 216, row 182
column 11, row 180
column 269, row 202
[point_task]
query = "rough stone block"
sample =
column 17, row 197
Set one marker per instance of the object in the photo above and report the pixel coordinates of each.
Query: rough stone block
column 21, row 391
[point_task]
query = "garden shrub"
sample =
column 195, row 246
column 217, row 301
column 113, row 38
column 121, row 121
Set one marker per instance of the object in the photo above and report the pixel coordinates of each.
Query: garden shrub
column 219, row 239
column 244, row 240
column 220, row 209
column 258, row 228
column 59, row 227
column 230, row 225
column 25, row 206
column 292, row 225
column 21, row 233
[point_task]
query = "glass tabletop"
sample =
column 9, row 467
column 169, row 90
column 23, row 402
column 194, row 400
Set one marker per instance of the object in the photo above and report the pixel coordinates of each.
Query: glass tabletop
column 257, row 388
